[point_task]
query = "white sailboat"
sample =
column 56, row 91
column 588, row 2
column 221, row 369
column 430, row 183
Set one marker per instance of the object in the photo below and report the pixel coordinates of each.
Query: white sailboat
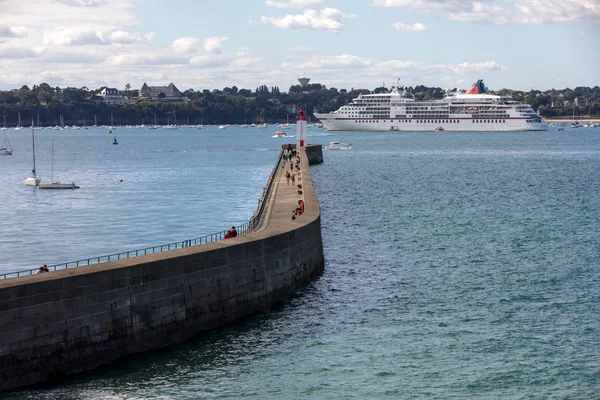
column 155, row 126
column 111, row 123
column 56, row 185
column 6, row 150
column 4, row 126
column 19, row 127
column 38, row 122
column 33, row 180
column 169, row 126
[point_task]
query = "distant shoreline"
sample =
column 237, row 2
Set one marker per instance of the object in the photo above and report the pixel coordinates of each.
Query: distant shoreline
column 571, row 119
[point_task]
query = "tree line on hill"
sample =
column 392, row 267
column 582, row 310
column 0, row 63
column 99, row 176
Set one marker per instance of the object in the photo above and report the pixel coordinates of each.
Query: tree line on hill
column 232, row 105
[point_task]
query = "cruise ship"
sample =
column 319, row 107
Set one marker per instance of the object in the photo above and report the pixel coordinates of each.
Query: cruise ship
column 473, row 110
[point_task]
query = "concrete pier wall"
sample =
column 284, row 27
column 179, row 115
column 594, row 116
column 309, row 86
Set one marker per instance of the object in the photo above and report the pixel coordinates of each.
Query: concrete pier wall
column 64, row 322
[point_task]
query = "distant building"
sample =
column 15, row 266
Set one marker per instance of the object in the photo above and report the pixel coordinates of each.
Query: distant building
column 161, row 93
column 111, row 96
column 581, row 101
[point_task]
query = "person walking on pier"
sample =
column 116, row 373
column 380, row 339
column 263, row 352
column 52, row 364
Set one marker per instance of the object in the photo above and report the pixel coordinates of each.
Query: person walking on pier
column 293, row 178
column 287, row 177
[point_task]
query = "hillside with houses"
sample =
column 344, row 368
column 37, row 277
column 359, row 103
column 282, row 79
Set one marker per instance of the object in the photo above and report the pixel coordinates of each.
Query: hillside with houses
column 232, row 105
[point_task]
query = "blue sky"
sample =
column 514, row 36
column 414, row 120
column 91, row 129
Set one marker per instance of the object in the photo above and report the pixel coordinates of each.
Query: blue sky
column 519, row 44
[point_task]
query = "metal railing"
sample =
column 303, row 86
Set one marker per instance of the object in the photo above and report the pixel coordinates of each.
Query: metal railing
column 242, row 229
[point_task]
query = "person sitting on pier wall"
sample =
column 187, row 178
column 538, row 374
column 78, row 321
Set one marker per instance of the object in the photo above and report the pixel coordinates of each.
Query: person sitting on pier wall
column 233, row 231
column 298, row 210
column 43, row 268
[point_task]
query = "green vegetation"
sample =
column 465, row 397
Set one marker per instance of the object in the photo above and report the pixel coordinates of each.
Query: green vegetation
column 235, row 106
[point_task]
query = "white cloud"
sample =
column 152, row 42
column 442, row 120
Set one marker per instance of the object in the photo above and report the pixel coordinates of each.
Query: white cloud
column 481, row 67
column 346, row 69
column 211, row 61
column 18, row 52
column 554, row 11
column 148, row 59
column 481, row 13
column 213, row 44
column 80, row 36
column 124, row 37
column 297, row 4
column 12, row 31
column 523, row 11
column 326, row 19
column 341, row 61
column 73, row 57
column 185, row 44
column 82, row 3
column 106, row 15
column 416, row 27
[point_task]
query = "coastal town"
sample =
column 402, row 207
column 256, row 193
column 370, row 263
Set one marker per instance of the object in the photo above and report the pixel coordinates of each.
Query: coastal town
column 232, row 105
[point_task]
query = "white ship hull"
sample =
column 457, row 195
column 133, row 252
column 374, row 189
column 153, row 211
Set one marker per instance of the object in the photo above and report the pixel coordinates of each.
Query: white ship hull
column 334, row 123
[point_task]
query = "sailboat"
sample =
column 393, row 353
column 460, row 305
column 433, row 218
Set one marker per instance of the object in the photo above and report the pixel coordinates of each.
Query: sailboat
column 111, row 123
column 56, row 185
column 115, row 140
column 575, row 124
column 38, row 122
column 169, row 126
column 95, row 122
column 19, row 127
column 4, row 126
column 155, row 126
column 32, row 180
column 6, row 150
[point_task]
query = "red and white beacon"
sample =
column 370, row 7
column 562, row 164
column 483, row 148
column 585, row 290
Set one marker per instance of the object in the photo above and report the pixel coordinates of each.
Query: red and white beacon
column 301, row 131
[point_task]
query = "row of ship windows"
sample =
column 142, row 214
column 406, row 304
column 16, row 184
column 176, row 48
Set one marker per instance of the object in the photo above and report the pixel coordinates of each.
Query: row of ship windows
column 489, row 121
column 419, row 121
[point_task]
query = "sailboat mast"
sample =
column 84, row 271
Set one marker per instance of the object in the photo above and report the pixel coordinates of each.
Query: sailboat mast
column 52, row 165
column 33, row 142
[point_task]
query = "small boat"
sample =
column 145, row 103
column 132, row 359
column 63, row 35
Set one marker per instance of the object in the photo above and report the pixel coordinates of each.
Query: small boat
column 439, row 128
column 263, row 126
column 115, row 140
column 19, row 127
column 33, row 180
column 280, row 134
column 6, row 150
column 56, row 185
column 338, row 146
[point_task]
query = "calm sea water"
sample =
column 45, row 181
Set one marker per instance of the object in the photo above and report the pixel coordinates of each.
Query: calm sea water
column 458, row 265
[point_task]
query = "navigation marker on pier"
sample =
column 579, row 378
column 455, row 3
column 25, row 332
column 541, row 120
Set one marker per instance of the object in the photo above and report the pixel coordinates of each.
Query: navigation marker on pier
column 301, row 131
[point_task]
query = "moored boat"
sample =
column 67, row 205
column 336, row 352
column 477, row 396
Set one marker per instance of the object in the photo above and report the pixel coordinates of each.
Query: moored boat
column 338, row 146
